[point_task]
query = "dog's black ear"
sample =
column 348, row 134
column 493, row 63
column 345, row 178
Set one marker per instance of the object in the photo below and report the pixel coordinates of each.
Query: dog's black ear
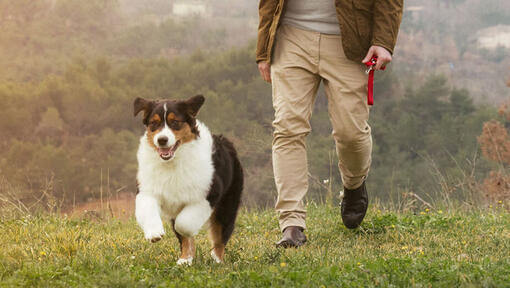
column 194, row 103
column 145, row 105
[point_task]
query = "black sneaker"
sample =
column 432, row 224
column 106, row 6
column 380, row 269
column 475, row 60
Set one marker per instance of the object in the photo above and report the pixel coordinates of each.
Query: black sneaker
column 354, row 206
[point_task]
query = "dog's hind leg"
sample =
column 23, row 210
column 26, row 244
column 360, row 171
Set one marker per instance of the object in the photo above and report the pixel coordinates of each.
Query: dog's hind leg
column 215, row 237
column 187, row 251
column 187, row 224
column 148, row 216
column 187, row 248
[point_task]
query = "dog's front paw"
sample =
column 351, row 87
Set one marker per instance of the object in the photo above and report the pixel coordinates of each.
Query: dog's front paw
column 154, row 235
column 185, row 261
column 156, row 239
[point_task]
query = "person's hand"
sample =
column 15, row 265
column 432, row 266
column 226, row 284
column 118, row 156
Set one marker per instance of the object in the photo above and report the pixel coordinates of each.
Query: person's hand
column 265, row 71
column 383, row 56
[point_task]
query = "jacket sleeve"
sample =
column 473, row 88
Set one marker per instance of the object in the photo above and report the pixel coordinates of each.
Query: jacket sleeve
column 387, row 18
column 266, row 14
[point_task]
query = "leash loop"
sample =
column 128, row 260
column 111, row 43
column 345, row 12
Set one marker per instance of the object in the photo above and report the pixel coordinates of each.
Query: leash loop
column 370, row 71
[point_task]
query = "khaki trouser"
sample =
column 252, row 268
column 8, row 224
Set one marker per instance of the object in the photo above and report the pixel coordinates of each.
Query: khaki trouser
column 302, row 59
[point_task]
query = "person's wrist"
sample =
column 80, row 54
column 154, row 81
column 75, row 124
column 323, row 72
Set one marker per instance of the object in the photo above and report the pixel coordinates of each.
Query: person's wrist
column 378, row 44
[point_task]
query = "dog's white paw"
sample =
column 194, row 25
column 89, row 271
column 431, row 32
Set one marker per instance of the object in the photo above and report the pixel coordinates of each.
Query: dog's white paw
column 154, row 235
column 215, row 257
column 185, row 261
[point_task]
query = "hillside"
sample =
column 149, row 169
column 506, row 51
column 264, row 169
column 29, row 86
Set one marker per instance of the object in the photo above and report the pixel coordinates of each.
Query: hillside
column 72, row 77
column 84, row 137
column 40, row 38
column 430, row 248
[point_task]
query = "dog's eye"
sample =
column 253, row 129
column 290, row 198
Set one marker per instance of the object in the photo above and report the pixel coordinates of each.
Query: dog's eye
column 153, row 125
column 175, row 125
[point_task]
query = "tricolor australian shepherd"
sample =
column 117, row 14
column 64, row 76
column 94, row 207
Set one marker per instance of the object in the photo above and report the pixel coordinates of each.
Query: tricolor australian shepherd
column 186, row 175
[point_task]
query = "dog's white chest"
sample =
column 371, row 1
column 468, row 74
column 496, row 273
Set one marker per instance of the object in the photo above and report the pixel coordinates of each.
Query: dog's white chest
column 184, row 180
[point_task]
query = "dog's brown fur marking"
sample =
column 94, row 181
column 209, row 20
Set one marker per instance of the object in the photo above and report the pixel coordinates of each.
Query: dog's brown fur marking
column 156, row 118
column 184, row 134
column 150, row 136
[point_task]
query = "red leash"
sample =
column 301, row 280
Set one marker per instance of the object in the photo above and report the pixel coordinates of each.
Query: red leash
column 370, row 71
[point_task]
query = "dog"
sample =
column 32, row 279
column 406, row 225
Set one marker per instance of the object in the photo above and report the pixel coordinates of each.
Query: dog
column 186, row 175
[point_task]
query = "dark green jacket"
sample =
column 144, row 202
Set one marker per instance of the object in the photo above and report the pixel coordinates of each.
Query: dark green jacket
column 363, row 23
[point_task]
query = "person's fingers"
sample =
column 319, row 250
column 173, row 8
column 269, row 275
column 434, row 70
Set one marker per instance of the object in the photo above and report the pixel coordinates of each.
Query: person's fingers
column 268, row 75
column 265, row 71
column 369, row 55
column 381, row 62
column 262, row 73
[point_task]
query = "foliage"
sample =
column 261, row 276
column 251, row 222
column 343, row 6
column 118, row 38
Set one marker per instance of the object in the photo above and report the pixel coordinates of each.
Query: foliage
column 46, row 35
column 495, row 144
column 428, row 133
column 431, row 126
column 78, row 128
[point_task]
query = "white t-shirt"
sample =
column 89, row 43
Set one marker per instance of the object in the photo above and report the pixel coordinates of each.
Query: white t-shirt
column 313, row 15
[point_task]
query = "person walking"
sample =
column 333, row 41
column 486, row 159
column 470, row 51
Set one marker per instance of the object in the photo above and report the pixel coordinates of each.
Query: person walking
column 301, row 43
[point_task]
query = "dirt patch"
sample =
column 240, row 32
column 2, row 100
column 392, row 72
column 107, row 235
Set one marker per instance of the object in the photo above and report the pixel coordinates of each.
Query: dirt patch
column 121, row 206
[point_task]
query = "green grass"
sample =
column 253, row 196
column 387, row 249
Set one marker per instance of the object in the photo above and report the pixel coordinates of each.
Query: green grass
column 390, row 250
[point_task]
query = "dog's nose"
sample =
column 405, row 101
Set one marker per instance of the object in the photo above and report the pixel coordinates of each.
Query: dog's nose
column 162, row 140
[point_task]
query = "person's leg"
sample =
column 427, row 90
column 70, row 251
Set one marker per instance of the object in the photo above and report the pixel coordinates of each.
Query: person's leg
column 295, row 83
column 345, row 83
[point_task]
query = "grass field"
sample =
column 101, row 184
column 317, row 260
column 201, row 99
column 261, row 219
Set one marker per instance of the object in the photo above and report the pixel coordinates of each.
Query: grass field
column 429, row 249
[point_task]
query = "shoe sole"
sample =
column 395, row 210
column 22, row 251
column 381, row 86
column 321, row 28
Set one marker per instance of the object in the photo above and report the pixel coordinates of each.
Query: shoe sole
column 290, row 244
